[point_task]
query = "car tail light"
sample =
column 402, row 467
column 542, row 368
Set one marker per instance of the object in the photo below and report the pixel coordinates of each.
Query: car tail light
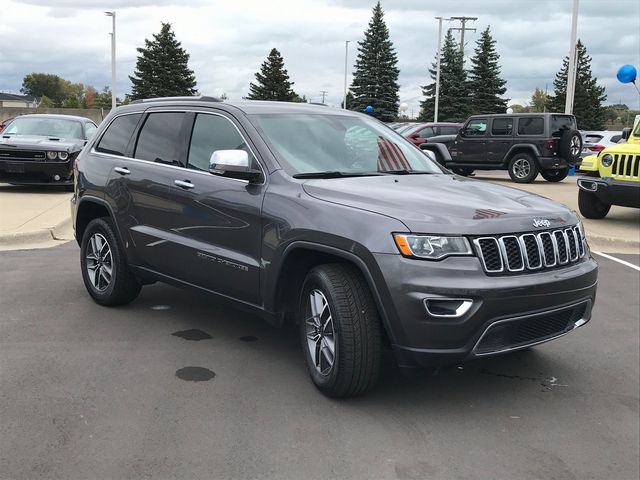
column 597, row 147
column 551, row 144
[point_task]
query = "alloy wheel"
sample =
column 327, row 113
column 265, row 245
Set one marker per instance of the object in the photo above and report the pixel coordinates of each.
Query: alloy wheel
column 575, row 145
column 521, row 168
column 99, row 262
column 320, row 333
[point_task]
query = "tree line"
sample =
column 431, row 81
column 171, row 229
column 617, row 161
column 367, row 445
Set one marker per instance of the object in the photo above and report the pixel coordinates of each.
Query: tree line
column 162, row 70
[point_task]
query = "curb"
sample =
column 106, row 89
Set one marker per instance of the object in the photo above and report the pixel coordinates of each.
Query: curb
column 598, row 242
column 10, row 239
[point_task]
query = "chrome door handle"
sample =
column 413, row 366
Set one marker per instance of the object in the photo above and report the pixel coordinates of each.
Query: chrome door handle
column 184, row 184
column 122, row 170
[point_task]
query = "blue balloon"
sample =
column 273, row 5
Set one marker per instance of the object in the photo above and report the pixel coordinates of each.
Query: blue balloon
column 368, row 109
column 627, row 74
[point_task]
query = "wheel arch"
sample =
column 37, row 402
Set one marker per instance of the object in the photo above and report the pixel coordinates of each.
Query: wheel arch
column 521, row 148
column 299, row 258
column 88, row 209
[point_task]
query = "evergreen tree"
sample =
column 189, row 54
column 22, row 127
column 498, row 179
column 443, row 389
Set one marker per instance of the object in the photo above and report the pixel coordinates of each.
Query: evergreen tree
column 375, row 79
column 162, row 68
column 453, row 104
column 588, row 98
column 485, row 85
column 273, row 81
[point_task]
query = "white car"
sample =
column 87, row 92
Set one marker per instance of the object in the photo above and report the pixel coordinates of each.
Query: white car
column 594, row 142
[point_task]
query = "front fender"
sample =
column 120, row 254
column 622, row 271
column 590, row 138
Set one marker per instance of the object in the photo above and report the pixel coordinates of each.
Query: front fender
column 590, row 163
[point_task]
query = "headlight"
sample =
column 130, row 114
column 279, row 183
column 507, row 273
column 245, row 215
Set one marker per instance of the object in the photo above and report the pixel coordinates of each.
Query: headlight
column 606, row 161
column 52, row 155
column 430, row 246
column 63, row 155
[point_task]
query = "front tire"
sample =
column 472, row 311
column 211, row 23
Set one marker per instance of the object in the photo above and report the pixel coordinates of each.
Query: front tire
column 105, row 272
column 523, row 168
column 591, row 206
column 555, row 175
column 340, row 331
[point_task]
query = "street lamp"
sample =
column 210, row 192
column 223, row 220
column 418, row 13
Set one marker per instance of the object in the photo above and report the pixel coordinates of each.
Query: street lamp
column 346, row 54
column 113, row 58
column 437, row 96
column 572, row 67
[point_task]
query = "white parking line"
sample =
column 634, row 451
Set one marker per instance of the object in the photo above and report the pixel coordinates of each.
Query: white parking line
column 623, row 262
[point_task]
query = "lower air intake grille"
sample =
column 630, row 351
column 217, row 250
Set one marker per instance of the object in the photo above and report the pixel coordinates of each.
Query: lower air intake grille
column 509, row 334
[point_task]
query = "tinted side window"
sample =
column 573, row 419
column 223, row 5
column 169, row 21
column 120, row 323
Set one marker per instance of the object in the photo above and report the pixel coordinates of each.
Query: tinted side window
column 211, row 133
column 616, row 138
column 116, row 138
column 426, row 132
column 502, row 126
column 559, row 123
column 476, row 127
column 159, row 139
column 531, row 126
column 448, row 130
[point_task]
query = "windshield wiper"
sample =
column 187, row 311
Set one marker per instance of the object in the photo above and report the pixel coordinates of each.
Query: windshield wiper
column 405, row 171
column 335, row 174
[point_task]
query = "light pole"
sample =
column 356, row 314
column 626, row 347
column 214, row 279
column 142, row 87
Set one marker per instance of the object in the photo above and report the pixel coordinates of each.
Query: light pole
column 435, row 108
column 571, row 70
column 346, row 54
column 113, row 58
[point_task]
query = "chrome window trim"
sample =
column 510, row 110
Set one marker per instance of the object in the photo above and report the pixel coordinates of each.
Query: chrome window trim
column 578, row 323
column 525, row 251
column 200, row 172
column 476, row 242
column 503, row 250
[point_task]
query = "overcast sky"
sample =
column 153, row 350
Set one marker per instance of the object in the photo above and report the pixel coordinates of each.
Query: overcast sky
column 229, row 39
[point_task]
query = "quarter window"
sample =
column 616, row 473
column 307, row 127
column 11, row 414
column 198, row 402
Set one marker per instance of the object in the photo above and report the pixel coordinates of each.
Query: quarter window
column 476, row 128
column 211, row 133
column 502, row 126
column 159, row 139
column 116, row 138
column 531, row 126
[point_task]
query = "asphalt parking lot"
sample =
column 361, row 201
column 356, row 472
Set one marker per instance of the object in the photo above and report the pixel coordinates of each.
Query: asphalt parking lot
column 88, row 392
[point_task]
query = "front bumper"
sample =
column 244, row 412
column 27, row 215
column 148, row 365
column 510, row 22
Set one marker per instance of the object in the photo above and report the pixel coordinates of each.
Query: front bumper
column 420, row 339
column 36, row 173
column 612, row 192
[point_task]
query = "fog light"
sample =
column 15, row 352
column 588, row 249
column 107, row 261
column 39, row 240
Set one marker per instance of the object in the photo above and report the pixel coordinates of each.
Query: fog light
column 56, row 177
column 447, row 307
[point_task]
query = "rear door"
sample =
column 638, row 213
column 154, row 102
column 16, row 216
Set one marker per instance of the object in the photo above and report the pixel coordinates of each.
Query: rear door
column 215, row 221
column 139, row 186
column 470, row 145
column 500, row 140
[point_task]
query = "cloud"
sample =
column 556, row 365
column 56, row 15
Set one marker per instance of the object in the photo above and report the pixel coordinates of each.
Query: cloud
column 227, row 41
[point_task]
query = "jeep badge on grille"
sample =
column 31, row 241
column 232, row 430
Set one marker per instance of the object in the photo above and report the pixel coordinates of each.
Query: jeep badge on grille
column 541, row 222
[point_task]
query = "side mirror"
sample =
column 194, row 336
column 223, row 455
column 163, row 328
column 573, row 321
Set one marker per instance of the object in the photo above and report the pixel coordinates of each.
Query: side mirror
column 626, row 133
column 233, row 164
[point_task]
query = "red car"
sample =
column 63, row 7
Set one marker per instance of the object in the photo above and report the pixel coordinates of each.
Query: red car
column 4, row 123
column 420, row 132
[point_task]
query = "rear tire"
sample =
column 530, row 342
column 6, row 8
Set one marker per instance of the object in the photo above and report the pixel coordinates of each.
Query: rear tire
column 555, row 175
column 339, row 331
column 523, row 168
column 591, row 206
column 105, row 272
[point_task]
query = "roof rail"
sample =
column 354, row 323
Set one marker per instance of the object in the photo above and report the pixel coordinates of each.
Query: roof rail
column 199, row 98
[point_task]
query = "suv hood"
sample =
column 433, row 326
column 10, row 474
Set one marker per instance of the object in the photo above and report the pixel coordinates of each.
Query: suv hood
column 444, row 203
column 37, row 142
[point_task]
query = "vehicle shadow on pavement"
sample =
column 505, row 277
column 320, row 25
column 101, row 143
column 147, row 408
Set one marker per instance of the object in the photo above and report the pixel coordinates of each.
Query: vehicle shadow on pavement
column 27, row 189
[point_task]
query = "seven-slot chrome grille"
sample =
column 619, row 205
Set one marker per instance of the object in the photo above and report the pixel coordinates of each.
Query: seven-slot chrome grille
column 530, row 251
column 625, row 166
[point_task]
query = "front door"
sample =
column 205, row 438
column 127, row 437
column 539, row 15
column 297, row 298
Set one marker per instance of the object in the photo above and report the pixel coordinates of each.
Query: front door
column 216, row 221
column 471, row 144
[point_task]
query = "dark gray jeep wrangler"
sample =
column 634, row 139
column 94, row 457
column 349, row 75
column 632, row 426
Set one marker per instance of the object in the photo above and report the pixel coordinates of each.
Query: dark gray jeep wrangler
column 329, row 219
column 524, row 144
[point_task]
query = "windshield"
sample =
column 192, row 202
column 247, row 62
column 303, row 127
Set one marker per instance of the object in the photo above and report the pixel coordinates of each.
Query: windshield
column 46, row 127
column 307, row 143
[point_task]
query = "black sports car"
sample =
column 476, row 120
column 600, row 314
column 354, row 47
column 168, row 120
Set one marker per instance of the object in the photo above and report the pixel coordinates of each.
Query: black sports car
column 41, row 149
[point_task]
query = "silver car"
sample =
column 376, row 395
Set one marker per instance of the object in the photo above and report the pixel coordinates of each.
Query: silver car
column 594, row 142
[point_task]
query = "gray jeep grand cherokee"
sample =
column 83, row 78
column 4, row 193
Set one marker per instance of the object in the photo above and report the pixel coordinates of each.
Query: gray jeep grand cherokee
column 329, row 219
